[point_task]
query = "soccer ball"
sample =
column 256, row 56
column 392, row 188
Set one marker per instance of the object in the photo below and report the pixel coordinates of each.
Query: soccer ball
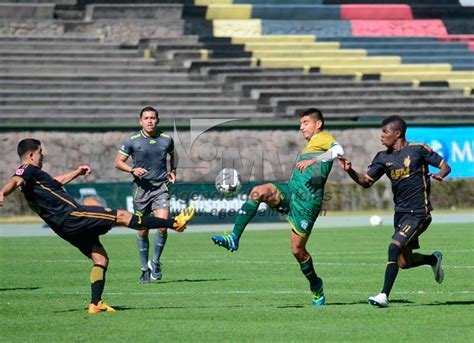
column 375, row 220
column 228, row 181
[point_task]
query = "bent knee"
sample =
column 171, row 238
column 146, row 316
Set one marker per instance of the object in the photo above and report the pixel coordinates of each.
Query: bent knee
column 404, row 264
column 257, row 193
column 299, row 254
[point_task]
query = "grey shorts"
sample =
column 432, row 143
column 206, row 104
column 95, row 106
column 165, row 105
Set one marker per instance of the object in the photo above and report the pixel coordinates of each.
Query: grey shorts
column 146, row 200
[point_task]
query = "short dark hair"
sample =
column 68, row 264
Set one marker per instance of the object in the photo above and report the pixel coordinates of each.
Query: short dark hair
column 27, row 145
column 313, row 113
column 397, row 123
column 149, row 109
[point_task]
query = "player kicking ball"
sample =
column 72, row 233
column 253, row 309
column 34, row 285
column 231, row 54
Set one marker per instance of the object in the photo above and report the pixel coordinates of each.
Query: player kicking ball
column 406, row 165
column 80, row 225
column 301, row 198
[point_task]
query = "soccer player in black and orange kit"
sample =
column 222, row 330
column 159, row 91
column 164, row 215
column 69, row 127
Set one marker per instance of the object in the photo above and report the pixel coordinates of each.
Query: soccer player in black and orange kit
column 80, row 225
column 406, row 165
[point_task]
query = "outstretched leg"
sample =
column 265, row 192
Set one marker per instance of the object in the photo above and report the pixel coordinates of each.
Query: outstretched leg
column 268, row 194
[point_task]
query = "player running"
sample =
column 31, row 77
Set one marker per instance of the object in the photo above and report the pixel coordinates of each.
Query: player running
column 406, row 165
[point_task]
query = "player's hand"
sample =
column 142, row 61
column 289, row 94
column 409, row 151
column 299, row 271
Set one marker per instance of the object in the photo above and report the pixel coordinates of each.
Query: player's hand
column 301, row 166
column 436, row 176
column 139, row 171
column 172, row 177
column 84, row 170
column 345, row 164
column 2, row 199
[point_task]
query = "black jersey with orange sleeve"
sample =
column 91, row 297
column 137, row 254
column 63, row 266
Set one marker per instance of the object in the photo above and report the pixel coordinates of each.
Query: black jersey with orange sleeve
column 45, row 195
column 407, row 169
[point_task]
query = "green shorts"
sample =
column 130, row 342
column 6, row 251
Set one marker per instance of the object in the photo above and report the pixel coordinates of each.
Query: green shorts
column 301, row 213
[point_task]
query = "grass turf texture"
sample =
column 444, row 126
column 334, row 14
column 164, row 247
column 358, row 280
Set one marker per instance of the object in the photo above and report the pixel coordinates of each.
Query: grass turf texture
column 255, row 294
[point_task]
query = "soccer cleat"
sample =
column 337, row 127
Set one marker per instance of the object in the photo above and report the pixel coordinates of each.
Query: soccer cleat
column 183, row 218
column 379, row 300
column 100, row 307
column 318, row 297
column 437, row 269
column 155, row 269
column 145, row 277
column 228, row 241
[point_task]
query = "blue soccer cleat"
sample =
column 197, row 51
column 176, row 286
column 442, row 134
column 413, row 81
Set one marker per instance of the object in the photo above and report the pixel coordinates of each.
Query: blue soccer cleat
column 228, row 241
column 318, row 297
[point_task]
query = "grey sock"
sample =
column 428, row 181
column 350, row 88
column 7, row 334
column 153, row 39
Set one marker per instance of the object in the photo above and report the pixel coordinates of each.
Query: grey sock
column 143, row 245
column 160, row 241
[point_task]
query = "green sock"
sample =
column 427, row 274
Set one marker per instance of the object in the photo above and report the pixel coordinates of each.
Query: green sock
column 246, row 213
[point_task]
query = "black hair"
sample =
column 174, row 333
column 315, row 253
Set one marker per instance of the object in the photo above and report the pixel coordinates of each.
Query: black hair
column 27, row 145
column 397, row 124
column 313, row 113
column 149, row 109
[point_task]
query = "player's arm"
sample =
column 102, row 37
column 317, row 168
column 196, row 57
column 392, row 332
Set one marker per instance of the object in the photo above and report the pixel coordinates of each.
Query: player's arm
column 14, row 183
column 331, row 154
column 172, row 173
column 444, row 170
column 66, row 178
column 361, row 179
column 121, row 164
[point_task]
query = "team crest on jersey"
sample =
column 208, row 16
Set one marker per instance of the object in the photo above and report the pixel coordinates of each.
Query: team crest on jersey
column 407, row 161
column 304, row 224
column 19, row 171
column 152, row 141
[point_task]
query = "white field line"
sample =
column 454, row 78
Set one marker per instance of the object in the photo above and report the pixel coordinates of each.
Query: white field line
column 361, row 264
column 252, row 292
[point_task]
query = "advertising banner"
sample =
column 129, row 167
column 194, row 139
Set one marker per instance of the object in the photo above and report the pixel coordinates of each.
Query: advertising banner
column 454, row 144
column 211, row 206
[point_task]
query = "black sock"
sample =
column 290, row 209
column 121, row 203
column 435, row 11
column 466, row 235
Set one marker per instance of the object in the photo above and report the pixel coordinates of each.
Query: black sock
column 97, row 278
column 139, row 222
column 420, row 260
column 308, row 270
column 392, row 268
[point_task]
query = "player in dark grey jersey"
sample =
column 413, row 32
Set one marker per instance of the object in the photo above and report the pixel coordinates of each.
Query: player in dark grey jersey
column 149, row 149
column 406, row 165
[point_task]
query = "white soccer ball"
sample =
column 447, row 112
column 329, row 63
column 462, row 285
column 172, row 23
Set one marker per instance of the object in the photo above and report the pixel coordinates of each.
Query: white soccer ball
column 228, row 181
column 375, row 220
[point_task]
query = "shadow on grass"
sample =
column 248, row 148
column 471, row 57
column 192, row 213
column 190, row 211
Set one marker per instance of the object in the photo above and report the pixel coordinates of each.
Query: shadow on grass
column 19, row 289
column 462, row 302
column 190, row 280
column 120, row 308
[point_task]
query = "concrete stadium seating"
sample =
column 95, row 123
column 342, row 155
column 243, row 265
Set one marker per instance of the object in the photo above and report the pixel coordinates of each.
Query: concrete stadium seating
column 244, row 59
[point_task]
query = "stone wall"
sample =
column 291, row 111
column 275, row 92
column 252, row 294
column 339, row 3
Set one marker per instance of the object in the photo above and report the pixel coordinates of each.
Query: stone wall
column 124, row 31
column 259, row 155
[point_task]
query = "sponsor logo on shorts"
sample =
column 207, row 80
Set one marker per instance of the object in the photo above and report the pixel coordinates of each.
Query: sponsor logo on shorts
column 304, row 224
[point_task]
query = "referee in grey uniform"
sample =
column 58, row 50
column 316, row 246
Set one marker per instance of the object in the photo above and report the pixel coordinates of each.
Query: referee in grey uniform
column 149, row 149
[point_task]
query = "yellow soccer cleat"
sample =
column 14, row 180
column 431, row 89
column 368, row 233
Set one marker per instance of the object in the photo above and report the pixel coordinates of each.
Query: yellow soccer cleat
column 100, row 307
column 182, row 219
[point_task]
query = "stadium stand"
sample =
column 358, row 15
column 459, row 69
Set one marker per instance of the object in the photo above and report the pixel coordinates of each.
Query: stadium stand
column 247, row 59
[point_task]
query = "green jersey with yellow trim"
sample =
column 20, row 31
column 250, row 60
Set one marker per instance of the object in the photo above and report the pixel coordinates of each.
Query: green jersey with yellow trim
column 309, row 185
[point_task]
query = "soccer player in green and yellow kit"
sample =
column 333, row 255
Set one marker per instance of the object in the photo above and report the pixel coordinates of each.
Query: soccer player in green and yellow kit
column 301, row 198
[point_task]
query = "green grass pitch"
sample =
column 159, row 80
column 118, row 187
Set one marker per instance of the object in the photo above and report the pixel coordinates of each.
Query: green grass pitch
column 255, row 294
